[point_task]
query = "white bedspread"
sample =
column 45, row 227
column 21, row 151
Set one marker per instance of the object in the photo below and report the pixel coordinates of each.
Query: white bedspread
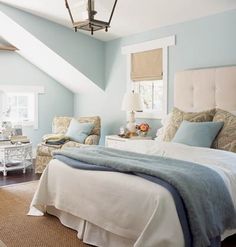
column 141, row 212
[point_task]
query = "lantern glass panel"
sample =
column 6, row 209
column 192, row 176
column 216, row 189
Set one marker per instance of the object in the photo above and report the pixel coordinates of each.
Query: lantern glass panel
column 79, row 10
column 104, row 9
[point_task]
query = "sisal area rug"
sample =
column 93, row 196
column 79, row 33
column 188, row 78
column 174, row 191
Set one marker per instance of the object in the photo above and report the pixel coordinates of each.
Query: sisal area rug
column 2, row 244
column 19, row 230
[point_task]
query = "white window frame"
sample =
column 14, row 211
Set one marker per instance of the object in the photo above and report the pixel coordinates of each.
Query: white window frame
column 164, row 44
column 36, row 90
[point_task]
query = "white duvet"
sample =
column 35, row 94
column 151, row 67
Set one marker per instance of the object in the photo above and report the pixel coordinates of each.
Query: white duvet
column 116, row 209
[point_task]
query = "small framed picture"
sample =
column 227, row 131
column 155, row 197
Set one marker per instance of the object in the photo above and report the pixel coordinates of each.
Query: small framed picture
column 17, row 131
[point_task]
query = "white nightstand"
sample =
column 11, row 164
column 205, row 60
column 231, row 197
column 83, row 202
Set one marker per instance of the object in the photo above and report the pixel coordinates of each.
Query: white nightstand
column 114, row 141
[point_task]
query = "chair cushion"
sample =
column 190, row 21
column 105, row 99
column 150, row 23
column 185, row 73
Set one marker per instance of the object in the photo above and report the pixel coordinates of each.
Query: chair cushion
column 72, row 144
column 197, row 134
column 46, row 150
column 61, row 124
column 79, row 131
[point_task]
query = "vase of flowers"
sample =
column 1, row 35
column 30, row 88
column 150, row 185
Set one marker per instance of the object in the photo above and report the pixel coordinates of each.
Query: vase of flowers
column 143, row 129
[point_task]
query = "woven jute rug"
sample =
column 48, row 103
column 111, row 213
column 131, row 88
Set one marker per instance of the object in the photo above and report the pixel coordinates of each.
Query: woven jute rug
column 2, row 244
column 19, row 230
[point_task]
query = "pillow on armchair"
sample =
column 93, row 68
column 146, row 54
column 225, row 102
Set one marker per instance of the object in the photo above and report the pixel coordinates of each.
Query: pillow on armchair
column 78, row 131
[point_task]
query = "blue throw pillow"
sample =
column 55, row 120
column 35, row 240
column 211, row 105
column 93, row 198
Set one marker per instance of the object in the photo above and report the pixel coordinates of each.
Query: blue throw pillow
column 199, row 134
column 79, row 131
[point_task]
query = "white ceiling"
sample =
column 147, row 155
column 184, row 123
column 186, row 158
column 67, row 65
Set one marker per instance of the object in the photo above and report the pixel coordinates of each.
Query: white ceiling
column 131, row 16
column 3, row 41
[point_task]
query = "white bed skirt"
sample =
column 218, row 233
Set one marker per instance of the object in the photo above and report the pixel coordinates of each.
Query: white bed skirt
column 88, row 232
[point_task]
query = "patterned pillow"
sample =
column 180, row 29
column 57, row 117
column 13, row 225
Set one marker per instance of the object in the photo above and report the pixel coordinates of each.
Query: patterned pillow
column 226, row 140
column 177, row 118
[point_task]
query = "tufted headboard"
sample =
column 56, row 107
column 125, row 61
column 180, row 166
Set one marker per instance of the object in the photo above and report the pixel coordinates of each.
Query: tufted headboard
column 204, row 89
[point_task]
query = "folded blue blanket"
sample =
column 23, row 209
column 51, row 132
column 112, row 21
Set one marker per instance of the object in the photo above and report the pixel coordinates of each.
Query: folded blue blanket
column 209, row 207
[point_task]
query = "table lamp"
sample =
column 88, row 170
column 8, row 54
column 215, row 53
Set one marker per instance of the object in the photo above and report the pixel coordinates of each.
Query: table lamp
column 132, row 102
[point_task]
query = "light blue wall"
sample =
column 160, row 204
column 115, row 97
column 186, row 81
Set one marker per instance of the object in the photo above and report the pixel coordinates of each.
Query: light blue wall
column 57, row 100
column 206, row 42
column 83, row 52
column 80, row 50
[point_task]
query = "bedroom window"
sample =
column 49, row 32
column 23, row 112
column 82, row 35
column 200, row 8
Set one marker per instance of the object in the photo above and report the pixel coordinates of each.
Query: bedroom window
column 152, row 94
column 147, row 79
column 21, row 104
column 147, row 74
column 21, row 108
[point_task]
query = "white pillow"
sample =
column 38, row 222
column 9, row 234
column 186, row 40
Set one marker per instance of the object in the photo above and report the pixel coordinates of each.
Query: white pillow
column 165, row 122
column 160, row 134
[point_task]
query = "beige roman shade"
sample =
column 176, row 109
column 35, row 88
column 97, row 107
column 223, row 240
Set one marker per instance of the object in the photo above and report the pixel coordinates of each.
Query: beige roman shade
column 147, row 65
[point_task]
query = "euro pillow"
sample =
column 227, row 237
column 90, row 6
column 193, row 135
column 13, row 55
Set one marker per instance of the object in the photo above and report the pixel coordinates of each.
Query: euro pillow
column 226, row 140
column 79, row 131
column 178, row 116
column 197, row 134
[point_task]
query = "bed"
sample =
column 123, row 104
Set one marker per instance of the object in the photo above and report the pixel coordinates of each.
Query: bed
column 109, row 208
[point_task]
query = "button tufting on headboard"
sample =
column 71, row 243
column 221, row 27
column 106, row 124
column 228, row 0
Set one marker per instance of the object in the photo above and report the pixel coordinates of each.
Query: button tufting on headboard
column 204, row 89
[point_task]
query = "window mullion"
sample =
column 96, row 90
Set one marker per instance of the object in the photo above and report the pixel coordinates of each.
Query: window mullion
column 153, row 96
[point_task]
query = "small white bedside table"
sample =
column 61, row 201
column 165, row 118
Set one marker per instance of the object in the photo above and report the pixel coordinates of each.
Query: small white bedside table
column 114, row 141
column 15, row 157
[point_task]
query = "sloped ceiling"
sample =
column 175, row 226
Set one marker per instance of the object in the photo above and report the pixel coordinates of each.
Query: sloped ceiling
column 3, row 41
column 43, row 57
column 132, row 16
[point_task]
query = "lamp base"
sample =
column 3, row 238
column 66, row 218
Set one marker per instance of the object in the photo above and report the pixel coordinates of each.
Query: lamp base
column 131, row 126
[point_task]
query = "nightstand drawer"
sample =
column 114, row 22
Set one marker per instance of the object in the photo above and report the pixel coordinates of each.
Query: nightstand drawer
column 115, row 143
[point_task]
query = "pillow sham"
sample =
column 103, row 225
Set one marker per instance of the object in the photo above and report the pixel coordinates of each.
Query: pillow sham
column 177, row 118
column 200, row 134
column 79, row 131
column 226, row 140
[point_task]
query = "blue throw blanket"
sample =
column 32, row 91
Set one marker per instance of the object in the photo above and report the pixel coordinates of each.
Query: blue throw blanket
column 209, row 207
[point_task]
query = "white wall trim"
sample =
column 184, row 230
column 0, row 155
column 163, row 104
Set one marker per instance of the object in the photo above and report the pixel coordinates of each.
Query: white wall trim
column 22, row 89
column 149, row 45
column 163, row 43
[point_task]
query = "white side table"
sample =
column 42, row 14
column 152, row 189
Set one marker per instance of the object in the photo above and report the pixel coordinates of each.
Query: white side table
column 15, row 157
column 114, row 141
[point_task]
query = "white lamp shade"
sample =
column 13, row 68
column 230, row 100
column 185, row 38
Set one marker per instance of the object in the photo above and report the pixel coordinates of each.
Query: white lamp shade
column 132, row 102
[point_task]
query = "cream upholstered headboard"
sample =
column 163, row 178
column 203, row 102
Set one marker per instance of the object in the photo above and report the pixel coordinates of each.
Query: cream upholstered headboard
column 204, row 89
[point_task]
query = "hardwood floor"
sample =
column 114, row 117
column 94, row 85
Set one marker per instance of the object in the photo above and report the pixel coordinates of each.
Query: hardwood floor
column 15, row 177
column 229, row 242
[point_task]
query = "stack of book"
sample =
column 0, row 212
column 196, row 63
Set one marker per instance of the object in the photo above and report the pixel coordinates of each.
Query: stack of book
column 4, row 141
column 19, row 139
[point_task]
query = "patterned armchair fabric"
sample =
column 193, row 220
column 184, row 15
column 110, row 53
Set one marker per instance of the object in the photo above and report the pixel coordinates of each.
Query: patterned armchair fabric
column 60, row 126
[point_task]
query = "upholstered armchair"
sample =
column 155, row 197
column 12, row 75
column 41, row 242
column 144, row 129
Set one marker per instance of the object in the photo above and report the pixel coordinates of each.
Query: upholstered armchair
column 60, row 126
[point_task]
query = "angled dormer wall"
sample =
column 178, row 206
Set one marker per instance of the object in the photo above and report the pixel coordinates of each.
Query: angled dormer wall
column 83, row 52
column 57, row 100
